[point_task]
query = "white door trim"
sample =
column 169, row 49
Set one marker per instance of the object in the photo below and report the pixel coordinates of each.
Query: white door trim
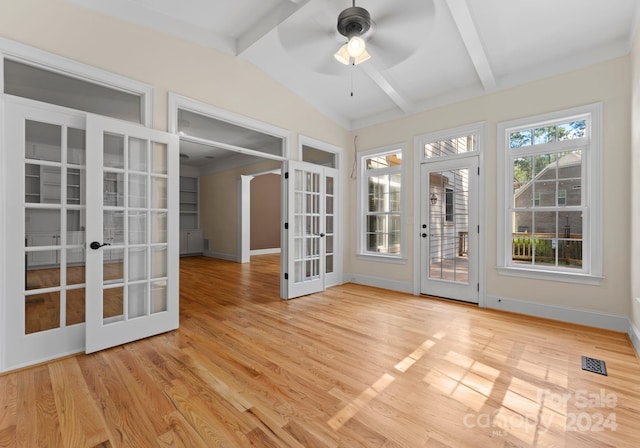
column 480, row 129
column 244, row 208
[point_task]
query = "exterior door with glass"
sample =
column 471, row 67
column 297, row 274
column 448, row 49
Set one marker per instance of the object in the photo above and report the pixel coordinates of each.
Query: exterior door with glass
column 311, row 224
column 449, row 229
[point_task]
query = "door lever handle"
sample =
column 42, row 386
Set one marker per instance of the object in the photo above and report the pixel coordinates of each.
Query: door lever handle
column 96, row 245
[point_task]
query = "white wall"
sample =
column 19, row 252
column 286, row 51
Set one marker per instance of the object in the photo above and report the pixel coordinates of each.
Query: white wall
column 607, row 83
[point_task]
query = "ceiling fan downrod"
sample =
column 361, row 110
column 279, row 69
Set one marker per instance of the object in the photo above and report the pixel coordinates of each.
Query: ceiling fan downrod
column 354, row 21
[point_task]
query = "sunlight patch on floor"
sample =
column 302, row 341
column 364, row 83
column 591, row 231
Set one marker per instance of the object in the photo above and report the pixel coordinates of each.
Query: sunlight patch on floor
column 350, row 410
column 418, row 353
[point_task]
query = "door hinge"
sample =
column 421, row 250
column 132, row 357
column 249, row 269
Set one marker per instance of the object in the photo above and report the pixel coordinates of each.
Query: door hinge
column 286, row 276
column 286, row 175
column 478, row 287
column 478, row 228
column 478, row 171
column 286, row 226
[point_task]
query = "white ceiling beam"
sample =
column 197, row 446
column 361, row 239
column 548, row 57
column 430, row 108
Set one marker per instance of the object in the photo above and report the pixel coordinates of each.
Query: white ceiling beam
column 376, row 76
column 469, row 33
column 268, row 23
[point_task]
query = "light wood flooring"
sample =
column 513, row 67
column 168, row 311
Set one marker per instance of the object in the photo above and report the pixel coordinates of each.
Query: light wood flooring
column 351, row 367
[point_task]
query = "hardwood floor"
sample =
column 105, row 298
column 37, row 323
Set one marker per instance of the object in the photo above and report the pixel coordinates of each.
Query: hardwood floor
column 351, row 367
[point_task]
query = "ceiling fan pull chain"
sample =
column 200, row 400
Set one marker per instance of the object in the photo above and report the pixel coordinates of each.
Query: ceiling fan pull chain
column 353, row 67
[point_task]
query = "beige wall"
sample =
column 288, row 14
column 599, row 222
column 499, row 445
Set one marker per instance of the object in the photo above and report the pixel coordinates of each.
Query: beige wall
column 219, row 202
column 608, row 83
column 265, row 212
column 633, row 172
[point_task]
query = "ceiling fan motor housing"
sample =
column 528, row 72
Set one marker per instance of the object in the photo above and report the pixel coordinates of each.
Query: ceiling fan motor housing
column 354, row 21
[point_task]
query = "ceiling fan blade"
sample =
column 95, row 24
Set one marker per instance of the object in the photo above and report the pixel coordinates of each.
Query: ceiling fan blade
column 311, row 46
column 400, row 28
column 389, row 52
column 302, row 35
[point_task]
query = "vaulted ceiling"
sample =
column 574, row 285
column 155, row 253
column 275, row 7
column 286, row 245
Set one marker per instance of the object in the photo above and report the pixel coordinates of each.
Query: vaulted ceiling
column 425, row 53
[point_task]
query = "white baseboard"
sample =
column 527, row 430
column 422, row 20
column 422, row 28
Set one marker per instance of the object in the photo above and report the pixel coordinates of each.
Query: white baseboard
column 378, row 282
column 572, row 315
column 275, row 250
column 228, row 257
column 634, row 335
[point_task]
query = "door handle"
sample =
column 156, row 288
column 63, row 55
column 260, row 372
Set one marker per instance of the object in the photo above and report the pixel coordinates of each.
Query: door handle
column 424, row 235
column 321, row 235
column 96, row 245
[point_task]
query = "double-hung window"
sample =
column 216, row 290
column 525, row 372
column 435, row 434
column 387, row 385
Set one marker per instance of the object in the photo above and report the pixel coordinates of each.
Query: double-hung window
column 549, row 190
column 380, row 202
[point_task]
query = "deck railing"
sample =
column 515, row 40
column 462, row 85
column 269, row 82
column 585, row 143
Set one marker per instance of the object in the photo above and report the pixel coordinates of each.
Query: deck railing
column 545, row 246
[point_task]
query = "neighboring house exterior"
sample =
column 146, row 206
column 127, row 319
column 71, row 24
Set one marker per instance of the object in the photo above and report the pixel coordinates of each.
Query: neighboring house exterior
column 557, row 184
column 539, row 213
column 449, row 220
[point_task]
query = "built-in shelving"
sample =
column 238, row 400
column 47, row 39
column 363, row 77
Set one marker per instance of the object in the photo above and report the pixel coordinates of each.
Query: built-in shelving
column 188, row 203
column 191, row 237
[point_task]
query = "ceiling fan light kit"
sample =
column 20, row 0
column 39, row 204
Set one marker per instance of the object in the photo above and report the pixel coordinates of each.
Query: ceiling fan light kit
column 353, row 22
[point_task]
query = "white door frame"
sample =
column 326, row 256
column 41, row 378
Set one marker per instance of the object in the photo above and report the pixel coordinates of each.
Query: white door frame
column 245, row 213
column 480, row 130
column 58, row 64
column 440, row 287
column 42, row 344
column 337, row 277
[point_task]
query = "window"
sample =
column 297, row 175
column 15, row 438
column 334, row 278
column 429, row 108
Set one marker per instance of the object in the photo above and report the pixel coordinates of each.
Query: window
column 448, row 204
column 550, row 186
column 380, row 196
column 72, row 90
column 562, row 197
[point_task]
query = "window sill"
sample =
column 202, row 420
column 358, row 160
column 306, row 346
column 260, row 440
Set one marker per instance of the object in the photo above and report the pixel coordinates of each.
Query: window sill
column 539, row 274
column 382, row 258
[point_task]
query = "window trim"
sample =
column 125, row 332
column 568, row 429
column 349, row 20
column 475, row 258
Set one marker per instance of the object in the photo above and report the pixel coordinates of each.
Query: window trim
column 361, row 251
column 337, row 151
column 35, row 57
column 591, row 272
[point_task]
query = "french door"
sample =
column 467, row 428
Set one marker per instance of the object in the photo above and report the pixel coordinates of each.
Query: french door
column 311, row 228
column 132, row 211
column 449, row 229
column 59, row 181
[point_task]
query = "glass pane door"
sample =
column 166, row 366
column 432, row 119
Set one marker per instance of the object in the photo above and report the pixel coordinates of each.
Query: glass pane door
column 449, row 225
column 331, row 223
column 46, row 225
column 133, row 254
column 449, row 232
column 306, row 236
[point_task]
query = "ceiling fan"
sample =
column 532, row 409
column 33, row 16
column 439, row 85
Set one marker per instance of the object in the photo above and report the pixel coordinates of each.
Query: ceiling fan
column 387, row 31
column 353, row 23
